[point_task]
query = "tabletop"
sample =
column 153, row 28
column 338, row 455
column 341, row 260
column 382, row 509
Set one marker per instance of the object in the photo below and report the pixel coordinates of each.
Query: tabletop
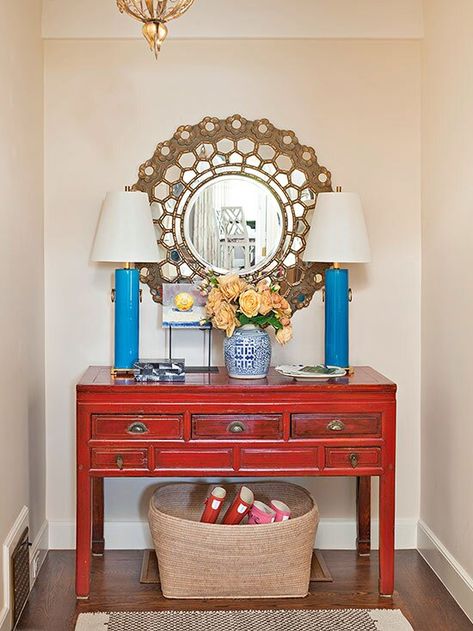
column 364, row 378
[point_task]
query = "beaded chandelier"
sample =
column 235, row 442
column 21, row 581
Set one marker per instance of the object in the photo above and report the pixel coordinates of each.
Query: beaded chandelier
column 154, row 14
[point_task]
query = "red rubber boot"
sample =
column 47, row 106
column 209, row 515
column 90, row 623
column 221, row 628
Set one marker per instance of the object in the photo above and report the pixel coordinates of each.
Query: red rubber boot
column 213, row 505
column 240, row 508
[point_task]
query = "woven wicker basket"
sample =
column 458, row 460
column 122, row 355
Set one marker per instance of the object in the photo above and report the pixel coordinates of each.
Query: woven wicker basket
column 215, row 561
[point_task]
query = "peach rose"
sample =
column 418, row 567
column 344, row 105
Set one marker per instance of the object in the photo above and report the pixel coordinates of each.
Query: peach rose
column 263, row 285
column 286, row 307
column 284, row 335
column 225, row 318
column 280, row 304
column 214, row 300
column 250, row 302
column 231, row 286
column 266, row 302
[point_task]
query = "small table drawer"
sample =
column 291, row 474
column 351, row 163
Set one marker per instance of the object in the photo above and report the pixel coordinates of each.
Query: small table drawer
column 133, row 427
column 315, row 425
column 119, row 459
column 203, row 460
column 353, row 458
column 283, row 459
column 236, row 426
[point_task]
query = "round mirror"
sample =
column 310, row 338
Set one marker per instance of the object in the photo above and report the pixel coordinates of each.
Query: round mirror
column 233, row 195
column 233, row 223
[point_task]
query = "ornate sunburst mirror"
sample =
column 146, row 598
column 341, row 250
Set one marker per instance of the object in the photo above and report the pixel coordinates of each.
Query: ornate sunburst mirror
column 234, row 195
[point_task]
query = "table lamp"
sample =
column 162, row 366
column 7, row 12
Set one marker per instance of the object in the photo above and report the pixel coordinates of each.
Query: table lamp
column 337, row 234
column 126, row 233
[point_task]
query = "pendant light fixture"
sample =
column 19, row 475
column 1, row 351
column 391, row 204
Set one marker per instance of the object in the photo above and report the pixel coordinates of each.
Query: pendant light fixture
column 154, row 14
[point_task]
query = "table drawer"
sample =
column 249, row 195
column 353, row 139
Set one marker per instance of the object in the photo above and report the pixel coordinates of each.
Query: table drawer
column 236, row 426
column 353, row 458
column 322, row 425
column 119, row 459
column 134, row 427
column 274, row 459
column 203, row 460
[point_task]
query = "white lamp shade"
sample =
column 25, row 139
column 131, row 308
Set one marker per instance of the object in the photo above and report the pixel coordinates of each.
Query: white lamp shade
column 338, row 231
column 125, row 232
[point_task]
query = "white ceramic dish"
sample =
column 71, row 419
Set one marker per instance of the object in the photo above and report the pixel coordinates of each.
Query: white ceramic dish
column 295, row 372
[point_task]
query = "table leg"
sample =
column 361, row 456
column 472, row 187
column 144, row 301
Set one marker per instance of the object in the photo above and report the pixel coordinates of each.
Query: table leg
column 363, row 509
column 386, row 533
column 83, row 533
column 98, row 541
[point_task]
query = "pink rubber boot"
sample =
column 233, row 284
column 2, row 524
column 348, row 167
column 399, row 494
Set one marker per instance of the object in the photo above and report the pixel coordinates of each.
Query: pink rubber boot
column 283, row 512
column 261, row 514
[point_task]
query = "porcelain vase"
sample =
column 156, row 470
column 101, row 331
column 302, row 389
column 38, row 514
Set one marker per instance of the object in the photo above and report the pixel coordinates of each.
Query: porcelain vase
column 248, row 353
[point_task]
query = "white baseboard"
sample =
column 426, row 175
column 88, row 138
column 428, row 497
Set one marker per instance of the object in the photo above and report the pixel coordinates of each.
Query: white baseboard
column 333, row 534
column 5, row 619
column 10, row 543
column 41, row 545
column 455, row 578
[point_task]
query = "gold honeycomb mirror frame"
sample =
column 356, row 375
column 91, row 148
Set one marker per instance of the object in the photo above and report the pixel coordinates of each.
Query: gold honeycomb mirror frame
column 217, row 148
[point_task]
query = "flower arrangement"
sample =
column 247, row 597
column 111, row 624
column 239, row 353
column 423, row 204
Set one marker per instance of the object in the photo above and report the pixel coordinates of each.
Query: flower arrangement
column 232, row 302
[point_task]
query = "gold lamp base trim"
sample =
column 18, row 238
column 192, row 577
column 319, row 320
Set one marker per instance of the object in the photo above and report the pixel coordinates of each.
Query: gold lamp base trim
column 122, row 373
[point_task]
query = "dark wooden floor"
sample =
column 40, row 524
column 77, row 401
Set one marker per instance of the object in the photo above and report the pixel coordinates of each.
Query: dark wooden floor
column 116, row 587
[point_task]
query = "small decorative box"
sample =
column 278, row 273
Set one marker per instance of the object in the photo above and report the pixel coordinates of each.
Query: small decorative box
column 160, row 370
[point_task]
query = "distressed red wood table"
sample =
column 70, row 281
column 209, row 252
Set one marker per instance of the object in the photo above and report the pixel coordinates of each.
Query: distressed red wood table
column 212, row 425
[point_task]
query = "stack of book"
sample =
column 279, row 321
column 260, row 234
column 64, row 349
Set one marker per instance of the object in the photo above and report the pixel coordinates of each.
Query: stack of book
column 160, row 370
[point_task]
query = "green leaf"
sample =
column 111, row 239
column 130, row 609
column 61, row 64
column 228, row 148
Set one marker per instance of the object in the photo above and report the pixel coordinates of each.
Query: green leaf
column 262, row 321
column 275, row 322
column 243, row 319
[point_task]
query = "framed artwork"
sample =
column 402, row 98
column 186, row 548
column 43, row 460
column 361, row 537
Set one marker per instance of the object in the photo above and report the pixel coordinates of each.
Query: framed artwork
column 183, row 306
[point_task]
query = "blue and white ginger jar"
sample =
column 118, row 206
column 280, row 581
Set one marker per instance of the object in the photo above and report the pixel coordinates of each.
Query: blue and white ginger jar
column 248, row 353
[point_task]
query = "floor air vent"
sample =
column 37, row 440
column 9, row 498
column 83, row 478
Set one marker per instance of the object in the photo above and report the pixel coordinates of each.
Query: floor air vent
column 20, row 571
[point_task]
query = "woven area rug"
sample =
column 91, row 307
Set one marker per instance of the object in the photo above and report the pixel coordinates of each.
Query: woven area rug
column 291, row 620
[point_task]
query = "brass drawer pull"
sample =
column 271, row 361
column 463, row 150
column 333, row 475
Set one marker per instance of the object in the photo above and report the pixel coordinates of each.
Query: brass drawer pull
column 237, row 427
column 354, row 460
column 119, row 461
column 137, row 428
column 336, row 425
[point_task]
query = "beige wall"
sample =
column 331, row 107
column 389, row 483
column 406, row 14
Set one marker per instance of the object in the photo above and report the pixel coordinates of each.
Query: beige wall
column 447, row 297
column 357, row 102
column 22, row 466
column 244, row 18
column 107, row 104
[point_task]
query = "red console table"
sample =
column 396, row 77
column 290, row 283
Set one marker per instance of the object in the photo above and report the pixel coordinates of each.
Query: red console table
column 215, row 426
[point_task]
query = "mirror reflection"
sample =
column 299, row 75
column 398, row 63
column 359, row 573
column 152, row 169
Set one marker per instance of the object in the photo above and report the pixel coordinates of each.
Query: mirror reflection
column 233, row 223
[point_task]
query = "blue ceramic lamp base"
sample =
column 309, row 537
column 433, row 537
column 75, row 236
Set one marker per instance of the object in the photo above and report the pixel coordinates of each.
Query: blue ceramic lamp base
column 336, row 317
column 127, row 321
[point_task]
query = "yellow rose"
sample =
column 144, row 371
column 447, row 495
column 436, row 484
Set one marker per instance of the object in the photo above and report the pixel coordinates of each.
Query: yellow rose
column 285, row 321
column 225, row 318
column 266, row 302
column 231, row 286
column 284, row 335
column 214, row 300
column 250, row 302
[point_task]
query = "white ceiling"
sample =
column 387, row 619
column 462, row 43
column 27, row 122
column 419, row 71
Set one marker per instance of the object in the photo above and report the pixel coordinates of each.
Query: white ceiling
column 385, row 19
